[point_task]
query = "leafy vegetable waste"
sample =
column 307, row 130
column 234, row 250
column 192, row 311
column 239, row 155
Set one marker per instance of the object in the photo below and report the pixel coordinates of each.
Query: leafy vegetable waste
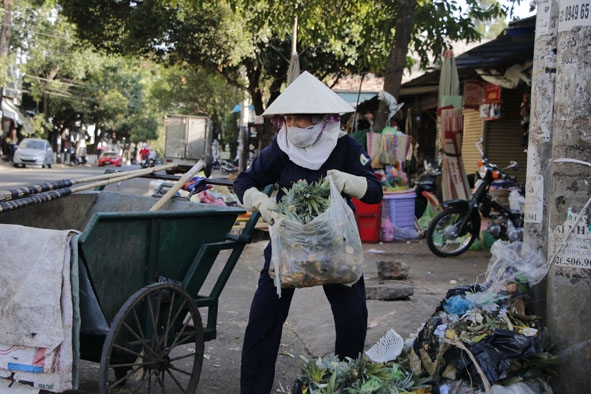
column 304, row 201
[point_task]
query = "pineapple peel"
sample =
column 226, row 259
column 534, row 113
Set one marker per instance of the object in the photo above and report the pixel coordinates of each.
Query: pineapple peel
column 304, row 201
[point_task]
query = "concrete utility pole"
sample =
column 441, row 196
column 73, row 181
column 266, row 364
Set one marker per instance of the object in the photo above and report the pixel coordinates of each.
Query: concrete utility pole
column 568, row 316
column 539, row 149
column 244, row 135
column 243, row 124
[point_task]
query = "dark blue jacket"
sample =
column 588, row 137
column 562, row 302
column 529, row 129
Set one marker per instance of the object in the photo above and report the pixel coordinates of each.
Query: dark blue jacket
column 273, row 166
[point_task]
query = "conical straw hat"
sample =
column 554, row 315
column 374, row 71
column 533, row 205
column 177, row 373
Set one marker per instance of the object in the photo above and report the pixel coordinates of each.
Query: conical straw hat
column 307, row 95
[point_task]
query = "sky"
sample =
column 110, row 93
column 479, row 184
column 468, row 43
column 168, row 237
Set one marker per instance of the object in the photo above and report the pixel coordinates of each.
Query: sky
column 522, row 10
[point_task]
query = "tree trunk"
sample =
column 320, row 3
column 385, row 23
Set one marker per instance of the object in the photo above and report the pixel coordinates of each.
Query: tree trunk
column 6, row 28
column 5, row 34
column 396, row 58
column 267, row 132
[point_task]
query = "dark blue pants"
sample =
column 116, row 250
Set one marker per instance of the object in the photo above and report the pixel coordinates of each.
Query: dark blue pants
column 268, row 312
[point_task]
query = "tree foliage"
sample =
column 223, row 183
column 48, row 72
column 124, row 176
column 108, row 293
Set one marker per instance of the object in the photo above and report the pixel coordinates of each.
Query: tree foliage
column 189, row 91
column 334, row 38
column 247, row 44
column 74, row 86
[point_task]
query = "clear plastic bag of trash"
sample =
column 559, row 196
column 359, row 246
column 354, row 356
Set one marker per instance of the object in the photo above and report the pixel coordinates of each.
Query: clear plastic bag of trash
column 326, row 250
column 512, row 270
column 456, row 387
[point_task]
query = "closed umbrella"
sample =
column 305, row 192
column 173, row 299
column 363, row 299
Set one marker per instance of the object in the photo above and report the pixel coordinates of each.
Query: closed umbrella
column 451, row 127
column 449, row 82
column 293, row 70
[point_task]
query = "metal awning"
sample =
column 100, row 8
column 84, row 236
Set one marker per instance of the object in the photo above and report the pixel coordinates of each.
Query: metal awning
column 514, row 46
column 10, row 111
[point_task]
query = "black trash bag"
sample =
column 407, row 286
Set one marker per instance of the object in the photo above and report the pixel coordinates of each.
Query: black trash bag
column 496, row 352
column 426, row 338
column 461, row 291
column 297, row 387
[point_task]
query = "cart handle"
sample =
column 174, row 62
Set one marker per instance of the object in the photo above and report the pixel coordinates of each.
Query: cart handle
column 246, row 234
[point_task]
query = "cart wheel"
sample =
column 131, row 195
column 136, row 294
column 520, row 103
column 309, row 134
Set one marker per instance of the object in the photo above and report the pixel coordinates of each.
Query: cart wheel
column 155, row 343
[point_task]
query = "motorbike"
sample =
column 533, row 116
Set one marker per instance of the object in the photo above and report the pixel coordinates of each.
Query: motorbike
column 457, row 226
column 425, row 186
column 147, row 162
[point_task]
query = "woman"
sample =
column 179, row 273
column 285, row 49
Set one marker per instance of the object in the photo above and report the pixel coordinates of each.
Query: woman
column 309, row 145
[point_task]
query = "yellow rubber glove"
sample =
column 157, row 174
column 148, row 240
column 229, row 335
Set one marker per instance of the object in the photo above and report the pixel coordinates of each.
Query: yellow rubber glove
column 353, row 185
column 257, row 201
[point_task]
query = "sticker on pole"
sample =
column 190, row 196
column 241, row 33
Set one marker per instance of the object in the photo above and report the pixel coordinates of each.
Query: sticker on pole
column 534, row 199
column 574, row 13
column 572, row 242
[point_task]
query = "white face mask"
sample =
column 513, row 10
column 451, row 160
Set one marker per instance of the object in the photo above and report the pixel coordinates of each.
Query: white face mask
column 304, row 138
column 310, row 147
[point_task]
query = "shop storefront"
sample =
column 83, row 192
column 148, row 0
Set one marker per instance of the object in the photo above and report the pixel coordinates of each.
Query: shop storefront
column 503, row 138
column 494, row 80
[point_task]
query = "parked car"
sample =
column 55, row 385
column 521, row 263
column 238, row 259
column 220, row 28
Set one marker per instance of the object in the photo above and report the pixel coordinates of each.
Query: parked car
column 110, row 157
column 33, row 152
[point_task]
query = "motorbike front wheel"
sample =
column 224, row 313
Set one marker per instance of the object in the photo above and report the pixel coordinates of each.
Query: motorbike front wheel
column 444, row 236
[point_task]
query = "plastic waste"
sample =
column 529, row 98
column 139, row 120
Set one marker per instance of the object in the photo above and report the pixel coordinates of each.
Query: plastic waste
column 512, row 270
column 457, row 305
column 387, row 230
column 404, row 233
column 516, row 201
column 388, row 348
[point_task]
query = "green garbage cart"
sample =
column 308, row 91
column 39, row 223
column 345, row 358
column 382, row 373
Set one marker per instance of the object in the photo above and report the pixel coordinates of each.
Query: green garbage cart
column 141, row 277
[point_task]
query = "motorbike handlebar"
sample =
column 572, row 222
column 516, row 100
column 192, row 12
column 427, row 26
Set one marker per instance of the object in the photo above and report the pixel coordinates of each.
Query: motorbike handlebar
column 479, row 147
column 512, row 164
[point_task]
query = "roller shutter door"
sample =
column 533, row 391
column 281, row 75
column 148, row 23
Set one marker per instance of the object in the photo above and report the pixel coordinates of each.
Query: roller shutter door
column 503, row 136
column 473, row 127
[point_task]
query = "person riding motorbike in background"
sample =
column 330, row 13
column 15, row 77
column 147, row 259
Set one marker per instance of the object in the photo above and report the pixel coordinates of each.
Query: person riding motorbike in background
column 144, row 152
column 309, row 145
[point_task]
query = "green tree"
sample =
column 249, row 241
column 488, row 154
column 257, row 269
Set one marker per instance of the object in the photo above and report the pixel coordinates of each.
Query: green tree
column 5, row 34
column 190, row 91
column 74, row 86
column 47, row 45
column 118, row 101
column 491, row 29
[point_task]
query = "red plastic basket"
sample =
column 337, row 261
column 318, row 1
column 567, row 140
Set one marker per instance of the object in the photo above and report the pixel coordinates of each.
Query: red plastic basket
column 368, row 218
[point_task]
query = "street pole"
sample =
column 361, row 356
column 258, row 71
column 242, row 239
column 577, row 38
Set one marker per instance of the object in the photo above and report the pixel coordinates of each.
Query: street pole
column 569, row 242
column 244, row 132
column 244, row 136
column 539, row 149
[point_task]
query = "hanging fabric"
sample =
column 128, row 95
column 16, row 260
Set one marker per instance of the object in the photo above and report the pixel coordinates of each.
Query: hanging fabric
column 454, row 179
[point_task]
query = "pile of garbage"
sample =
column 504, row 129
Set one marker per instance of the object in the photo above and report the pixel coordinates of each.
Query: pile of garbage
column 480, row 339
column 481, row 335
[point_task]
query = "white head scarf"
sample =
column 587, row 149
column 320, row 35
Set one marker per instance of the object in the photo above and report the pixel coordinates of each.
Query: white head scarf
column 323, row 139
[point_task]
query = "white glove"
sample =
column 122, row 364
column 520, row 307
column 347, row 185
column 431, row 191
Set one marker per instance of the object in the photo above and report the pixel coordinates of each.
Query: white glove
column 255, row 200
column 353, row 185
